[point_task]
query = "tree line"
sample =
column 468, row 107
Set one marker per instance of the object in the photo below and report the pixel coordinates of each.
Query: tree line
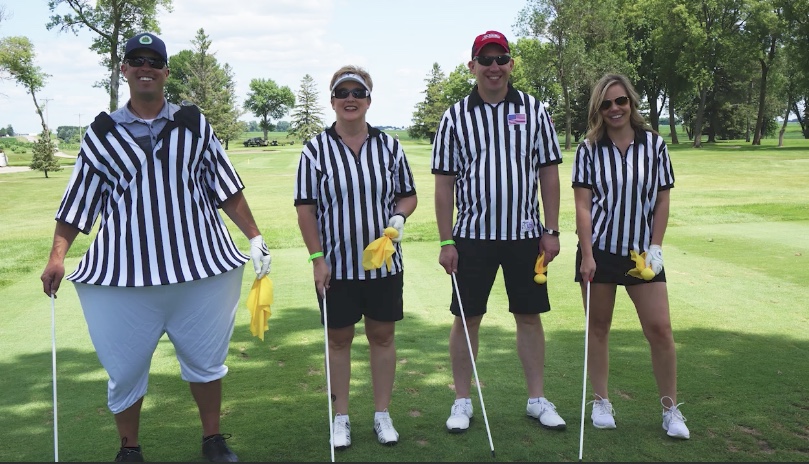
column 724, row 69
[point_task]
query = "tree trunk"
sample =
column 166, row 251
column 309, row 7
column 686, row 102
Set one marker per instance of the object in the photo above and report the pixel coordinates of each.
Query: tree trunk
column 654, row 119
column 703, row 93
column 673, row 123
column 801, row 120
column 762, row 92
column 784, row 126
column 568, row 120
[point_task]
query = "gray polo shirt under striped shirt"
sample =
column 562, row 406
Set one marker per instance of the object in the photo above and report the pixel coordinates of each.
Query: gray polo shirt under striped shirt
column 159, row 222
column 495, row 153
column 355, row 196
column 624, row 187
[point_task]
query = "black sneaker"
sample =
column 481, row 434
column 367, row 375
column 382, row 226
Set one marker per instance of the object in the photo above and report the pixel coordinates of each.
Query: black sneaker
column 216, row 450
column 129, row 454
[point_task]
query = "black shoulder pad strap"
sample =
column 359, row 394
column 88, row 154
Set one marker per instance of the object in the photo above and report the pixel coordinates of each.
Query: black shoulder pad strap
column 188, row 117
column 102, row 124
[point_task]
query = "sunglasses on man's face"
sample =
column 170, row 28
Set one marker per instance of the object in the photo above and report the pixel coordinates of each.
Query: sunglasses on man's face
column 357, row 93
column 620, row 101
column 139, row 61
column 488, row 60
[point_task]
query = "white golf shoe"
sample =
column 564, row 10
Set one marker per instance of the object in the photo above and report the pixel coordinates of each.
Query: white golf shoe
column 674, row 421
column 460, row 415
column 342, row 432
column 603, row 415
column 545, row 412
column 383, row 427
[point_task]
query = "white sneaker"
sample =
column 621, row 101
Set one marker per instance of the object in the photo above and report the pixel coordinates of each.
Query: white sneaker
column 674, row 421
column 342, row 432
column 603, row 415
column 544, row 411
column 460, row 415
column 385, row 433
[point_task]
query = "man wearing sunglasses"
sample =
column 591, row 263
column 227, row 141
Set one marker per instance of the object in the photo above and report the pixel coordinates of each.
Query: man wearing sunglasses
column 163, row 260
column 496, row 151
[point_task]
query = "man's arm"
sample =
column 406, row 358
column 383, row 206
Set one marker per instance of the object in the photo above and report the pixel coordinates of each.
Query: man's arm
column 51, row 277
column 549, row 190
column 444, row 207
column 238, row 211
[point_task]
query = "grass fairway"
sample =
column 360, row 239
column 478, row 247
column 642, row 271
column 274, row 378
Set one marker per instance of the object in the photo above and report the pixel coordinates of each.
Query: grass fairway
column 735, row 250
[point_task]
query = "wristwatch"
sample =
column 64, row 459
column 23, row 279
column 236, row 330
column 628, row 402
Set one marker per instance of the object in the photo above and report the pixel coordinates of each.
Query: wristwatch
column 545, row 230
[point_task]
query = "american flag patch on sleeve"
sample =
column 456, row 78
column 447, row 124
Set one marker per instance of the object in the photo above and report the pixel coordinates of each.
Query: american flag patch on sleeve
column 516, row 118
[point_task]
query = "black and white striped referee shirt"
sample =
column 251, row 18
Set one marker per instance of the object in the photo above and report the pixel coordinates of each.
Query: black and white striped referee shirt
column 495, row 153
column 625, row 187
column 354, row 195
column 158, row 209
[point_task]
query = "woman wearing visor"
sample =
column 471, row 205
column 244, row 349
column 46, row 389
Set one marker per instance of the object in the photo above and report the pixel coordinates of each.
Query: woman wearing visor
column 353, row 181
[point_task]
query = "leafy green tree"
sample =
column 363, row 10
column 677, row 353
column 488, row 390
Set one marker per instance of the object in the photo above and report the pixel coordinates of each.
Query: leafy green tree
column 531, row 71
column 113, row 21
column 307, row 117
column 68, row 133
column 17, row 60
column 42, row 155
column 430, row 110
column 268, row 101
column 282, row 126
column 203, row 82
column 457, row 86
column 177, row 82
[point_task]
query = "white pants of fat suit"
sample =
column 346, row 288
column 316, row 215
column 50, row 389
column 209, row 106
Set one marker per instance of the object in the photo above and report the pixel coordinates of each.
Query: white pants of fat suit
column 126, row 323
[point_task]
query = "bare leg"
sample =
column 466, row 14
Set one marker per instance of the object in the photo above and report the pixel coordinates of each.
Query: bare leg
column 459, row 353
column 531, row 350
column 381, row 341
column 209, row 402
column 652, row 304
column 340, row 366
column 128, row 423
column 602, row 304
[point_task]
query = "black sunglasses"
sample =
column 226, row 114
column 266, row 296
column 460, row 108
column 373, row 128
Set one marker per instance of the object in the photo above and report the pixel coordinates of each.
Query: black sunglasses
column 357, row 93
column 620, row 101
column 139, row 61
column 488, row 60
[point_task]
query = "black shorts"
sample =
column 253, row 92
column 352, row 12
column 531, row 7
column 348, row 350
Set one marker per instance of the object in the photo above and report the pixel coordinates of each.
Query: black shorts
column 613, row 269
column 349, row 300
column 478, row 262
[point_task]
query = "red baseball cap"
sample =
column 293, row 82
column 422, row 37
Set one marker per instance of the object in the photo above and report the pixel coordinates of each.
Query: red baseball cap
column 487, row 38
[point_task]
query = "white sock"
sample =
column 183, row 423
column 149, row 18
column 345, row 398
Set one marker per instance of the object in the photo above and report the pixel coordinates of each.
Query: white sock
column 379, row 414
column 341, row 418
column 534, row 400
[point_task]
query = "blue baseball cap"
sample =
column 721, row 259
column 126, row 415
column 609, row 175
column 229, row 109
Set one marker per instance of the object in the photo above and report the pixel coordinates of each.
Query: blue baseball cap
column 149, row 42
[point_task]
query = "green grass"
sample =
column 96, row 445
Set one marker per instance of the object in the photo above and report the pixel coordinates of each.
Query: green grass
column 735, row 252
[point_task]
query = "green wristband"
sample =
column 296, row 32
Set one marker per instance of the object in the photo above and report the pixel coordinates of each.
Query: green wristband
column 447, row 242
column 315, row 255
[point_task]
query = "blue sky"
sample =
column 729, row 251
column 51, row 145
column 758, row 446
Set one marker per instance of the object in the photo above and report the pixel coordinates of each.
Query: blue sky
column 282, row 40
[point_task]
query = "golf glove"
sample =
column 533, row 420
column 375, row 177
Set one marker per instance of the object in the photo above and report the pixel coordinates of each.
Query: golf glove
column 397, row 221
column 654, row 258
column 260, row 255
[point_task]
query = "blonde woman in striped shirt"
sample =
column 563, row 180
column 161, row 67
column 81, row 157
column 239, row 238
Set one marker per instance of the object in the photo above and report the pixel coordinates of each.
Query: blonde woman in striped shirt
column 622, row 179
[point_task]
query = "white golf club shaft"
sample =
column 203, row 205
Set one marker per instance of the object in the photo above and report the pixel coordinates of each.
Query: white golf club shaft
column 472, row 359
column 584, row 381
column 53, row 358
column 328, row 373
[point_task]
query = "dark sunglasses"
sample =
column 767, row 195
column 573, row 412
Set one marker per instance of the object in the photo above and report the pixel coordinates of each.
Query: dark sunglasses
column 139, row 61
column 357, row 93
column 488, row 60
column 620, row 101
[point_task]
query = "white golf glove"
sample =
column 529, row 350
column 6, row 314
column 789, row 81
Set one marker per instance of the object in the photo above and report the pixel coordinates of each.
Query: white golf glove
column 260, row 255
column 654, row 258
column 397, row 221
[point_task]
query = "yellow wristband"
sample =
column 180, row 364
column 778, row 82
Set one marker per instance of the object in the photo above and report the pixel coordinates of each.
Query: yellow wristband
column 315, row 255
column 447, row 242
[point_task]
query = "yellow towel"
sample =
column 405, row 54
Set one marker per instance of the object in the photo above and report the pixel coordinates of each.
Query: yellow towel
column 258, row 302
column 540, row 268
column 380, row 251
column 640, row 270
